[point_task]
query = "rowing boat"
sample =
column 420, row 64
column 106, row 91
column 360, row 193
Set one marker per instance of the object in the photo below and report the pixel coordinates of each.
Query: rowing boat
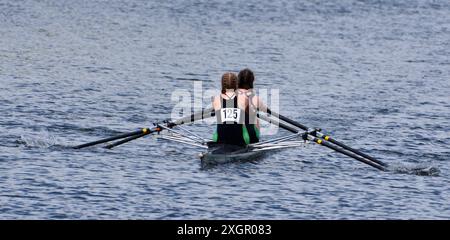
column 224, row 153
column 220, row 153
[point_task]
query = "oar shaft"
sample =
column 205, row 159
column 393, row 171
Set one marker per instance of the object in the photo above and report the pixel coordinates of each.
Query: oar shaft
column 288, row 120
column 194, row 117
column 109, row 146
column 203, row 114
column 323, row 143
column 277, row 123
column 347, row 153
column 328, row 138
column 112, row 138
column 137, row 134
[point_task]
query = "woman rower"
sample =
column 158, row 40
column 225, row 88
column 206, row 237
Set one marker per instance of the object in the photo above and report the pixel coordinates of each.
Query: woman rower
column 230, row 113
column 253, row 103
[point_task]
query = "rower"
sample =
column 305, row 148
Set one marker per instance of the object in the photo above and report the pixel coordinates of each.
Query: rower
column 252, row 103
column 230, row 113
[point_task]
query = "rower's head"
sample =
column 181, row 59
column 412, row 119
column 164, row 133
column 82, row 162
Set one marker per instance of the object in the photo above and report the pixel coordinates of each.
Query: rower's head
column 229, row 82
column 245, row 79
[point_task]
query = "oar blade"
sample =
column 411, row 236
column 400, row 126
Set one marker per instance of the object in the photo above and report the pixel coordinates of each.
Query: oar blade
column 415, row 170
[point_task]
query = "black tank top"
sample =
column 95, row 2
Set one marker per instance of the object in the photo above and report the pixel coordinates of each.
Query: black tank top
column 230, row 123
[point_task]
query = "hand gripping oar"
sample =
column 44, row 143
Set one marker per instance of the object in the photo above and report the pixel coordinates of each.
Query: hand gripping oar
column 145, row 131
column 325, row 137
column 323, row 143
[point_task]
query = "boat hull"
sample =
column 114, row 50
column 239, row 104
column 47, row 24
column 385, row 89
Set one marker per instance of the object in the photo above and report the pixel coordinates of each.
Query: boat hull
column 224, row 153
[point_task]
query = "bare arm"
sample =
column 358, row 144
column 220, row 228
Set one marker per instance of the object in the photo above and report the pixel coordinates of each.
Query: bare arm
column 216, row 103
column 258, row 102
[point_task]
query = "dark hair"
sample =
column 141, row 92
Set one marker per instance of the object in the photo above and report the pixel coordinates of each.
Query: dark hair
column 229, row 81
column 245, row 79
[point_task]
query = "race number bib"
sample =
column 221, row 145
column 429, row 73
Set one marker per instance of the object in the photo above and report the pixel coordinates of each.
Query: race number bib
column 230, row 114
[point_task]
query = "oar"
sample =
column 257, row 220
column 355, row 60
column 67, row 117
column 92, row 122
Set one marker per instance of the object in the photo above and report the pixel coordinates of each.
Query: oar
column 115, row 144
column 323, row 143
column 125, row 135
column 325, row 137
column 203, row 114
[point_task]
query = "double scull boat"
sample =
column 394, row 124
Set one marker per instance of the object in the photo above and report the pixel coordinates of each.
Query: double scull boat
column 218, row 153
column 214, row 153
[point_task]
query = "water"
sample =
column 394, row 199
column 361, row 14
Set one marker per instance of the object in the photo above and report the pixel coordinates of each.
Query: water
column 374, row 74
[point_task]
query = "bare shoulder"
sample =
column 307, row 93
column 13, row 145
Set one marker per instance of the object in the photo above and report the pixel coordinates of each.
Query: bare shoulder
column 240, row 92
column 242, row 101
column 256, row 99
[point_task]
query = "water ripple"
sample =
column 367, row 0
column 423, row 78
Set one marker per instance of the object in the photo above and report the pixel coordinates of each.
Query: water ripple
column 371, row 73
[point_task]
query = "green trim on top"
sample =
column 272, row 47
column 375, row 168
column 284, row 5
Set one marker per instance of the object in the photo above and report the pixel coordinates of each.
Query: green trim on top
column 215, row 137
column 258, row 133
column 245, row 134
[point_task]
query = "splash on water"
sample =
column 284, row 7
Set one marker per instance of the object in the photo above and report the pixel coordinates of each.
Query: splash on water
column 420, row 170
column 41, row 139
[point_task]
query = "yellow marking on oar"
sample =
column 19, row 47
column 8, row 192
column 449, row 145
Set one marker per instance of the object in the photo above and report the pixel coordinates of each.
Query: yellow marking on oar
column 327, row 137
column 144, row 130
column 319, row 141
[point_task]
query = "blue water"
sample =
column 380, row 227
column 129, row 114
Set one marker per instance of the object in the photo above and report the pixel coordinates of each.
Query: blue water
column 375, row 74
